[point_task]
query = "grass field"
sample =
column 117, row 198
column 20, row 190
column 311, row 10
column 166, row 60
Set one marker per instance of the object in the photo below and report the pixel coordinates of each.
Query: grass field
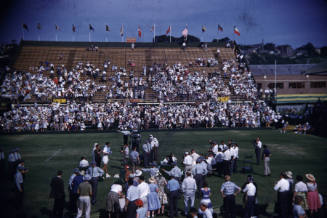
column 45, row 154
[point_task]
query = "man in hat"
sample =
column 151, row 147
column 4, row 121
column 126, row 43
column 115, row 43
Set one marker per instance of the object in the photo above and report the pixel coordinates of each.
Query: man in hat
column 189, row 188
column 173, row 188
column 112, row 200
column 70, row 189
column 85, row 192
column 228, row 191
column 282, row 187
column 95, row 172
column 58, row 193
column 131, row 196
column 187, row 162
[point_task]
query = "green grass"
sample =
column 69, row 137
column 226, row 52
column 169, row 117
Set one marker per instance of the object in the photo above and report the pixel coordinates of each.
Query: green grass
column 299, row 153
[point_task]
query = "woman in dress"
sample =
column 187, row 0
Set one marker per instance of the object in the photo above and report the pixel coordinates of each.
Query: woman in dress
column 153, row 198
column 206, row 192
column 312, row 196
column 162, row 182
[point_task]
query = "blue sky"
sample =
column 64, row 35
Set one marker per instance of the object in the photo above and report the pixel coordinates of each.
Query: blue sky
column 293, row 22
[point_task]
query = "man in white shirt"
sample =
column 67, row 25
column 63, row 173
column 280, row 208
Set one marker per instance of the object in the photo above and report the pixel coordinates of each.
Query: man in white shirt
column 105, row 158
column 226, row 162
column 195, row 156
column 189, row 188
column 214, row 148
column 155, row 147
column 257, row 149
column 188, row 160
column 282, row 187
column 250, row 191
column 83, row 164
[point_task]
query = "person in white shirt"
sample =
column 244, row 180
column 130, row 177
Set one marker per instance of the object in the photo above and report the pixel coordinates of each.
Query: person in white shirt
column 189, row 188
column 188, row 161
column 195, row 156
column 301, row 190
column 204, row 210
column 250, row 191
column 83, row 164
column 143, row 190
column 282, row 187
column 105, row 158
column 257, row 149
column 234, row 151
column 214, row 148
column 226, row 162
column 155, row 147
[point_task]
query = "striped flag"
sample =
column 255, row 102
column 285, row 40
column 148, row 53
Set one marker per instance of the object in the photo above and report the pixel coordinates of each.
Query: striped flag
column 203, row 28
column 220, row 28
column 107, row 28
column 168, row 30
column 38, row 26
column 122, row 30
column 25, row 27
column 236, row 31
column 74, row 28
column 139, row 32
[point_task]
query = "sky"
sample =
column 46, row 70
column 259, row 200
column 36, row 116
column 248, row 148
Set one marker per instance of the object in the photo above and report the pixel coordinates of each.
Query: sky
column 293, row 22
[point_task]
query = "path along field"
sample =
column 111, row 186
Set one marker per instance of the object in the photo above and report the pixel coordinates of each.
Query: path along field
column 45, row 154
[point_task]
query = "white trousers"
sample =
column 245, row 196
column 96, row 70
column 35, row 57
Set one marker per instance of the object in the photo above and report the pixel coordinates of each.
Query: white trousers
column 84, row 202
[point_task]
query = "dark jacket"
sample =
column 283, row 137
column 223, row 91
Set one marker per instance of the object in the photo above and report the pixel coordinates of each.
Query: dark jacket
column 57, row 188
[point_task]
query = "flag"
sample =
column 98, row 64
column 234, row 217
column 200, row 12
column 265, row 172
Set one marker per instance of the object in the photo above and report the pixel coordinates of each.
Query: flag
column 107, row 28
column 236, row 31
column 168, row 30
column 91, row 27
column 38, row 26
column 57, row 27
column 185, row 32
column 25, row 27
column 220, row 28
column 152, row 29
column 139, row 32
column 203, row 28
column 74, row 28
column 122, row 30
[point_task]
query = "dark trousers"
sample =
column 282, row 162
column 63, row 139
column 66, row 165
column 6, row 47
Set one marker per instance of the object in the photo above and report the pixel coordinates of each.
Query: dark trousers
column 58, row 207
column 74, row 199
column 155, row 154
column 172, row 200
column 94, row 184
column 249, row 206
column 131, row 210
column 219, row 168
column 229, row 206
column 147, row 159
column 283, row 204
column 226, row 170
column 258, row 155
column 20, row 198
column 234, row 165
column 199, row 179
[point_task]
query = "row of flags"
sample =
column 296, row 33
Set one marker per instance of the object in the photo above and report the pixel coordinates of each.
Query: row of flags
column 139, row 31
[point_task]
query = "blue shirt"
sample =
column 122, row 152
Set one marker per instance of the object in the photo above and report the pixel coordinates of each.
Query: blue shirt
column 298, row 211
column 134, row 155
column 76, row 181
column 228, row 188
column 95, row 171
column 173, row 185
column 133, row 193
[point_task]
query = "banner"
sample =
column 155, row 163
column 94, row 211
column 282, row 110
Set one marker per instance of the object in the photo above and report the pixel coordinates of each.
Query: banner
column 223, row 99
column 59, row 100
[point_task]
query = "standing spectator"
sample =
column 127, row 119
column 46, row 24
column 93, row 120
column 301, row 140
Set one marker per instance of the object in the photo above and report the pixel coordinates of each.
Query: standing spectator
column 173, row 188
column 95, row 173
column 199, row 172
column 189, row 189
column 205, row 210
column 266, row 159
column 155, row 147
column 105, row 159
column 85, row 191
column 83, row 164
column 257, row 149
column 162, row 182
column 301, row 190
column 131, row 196
column 250, row 191
column 112, row 201
column 134, row 159
column 175, row 172
column 153, row 198
column 78, row 179
column 70, row 189
column 219, row 162
column 187, row 162
column 19, row 181
column 144, row 190
column 58, row 193
column 206, row 193
column 298, row 211
column 228, row 191
column 282, row 187
column 97, row 155
column 125, row 153
column 146, row 154
column 313, row 196
column 141, row 210
column 226, row 163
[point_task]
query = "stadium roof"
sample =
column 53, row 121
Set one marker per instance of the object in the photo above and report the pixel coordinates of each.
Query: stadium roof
column 281, row 69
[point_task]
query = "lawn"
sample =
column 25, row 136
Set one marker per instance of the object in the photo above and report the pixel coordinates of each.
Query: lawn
column 45, row 154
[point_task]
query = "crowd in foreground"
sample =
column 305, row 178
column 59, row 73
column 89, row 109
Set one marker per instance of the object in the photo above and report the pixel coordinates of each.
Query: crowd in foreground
column 145, row 188
column 107, row 116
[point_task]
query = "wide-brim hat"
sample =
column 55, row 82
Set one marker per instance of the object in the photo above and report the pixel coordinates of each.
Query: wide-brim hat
column 138, row 173
column 289, row 174
column 152, row 180
column 310, row 177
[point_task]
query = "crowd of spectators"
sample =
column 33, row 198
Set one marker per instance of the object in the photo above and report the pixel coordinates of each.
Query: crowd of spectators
column 105, row 116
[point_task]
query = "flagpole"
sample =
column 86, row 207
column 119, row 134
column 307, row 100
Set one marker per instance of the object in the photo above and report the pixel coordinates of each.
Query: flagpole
column 56, row 37
column 154, row 33
column 89, row 36
column 23, row 33
column 170, row 34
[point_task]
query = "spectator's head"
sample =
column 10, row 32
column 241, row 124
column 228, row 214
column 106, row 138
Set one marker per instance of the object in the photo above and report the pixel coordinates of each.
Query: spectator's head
column 59, row 173
column 299, row 178
column 108, row 144
column 227, row 177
